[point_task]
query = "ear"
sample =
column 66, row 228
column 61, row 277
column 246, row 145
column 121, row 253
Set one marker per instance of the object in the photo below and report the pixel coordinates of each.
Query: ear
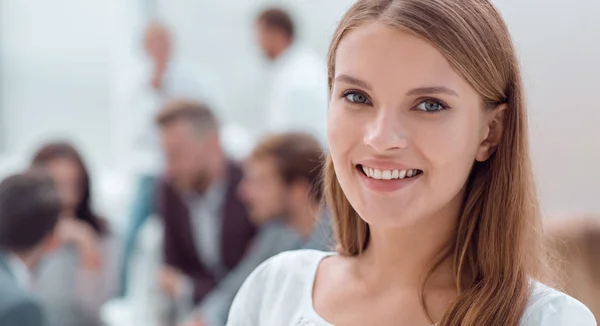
column 495, row 131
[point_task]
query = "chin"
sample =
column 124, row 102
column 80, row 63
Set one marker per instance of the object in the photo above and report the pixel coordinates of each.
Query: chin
column 388, row 212
column 387, row 220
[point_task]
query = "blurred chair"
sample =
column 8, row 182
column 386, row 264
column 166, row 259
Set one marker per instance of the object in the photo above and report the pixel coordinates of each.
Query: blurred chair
column 575, row 242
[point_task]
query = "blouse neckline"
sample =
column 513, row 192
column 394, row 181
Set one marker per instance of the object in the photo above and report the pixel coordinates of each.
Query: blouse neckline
column 313, row 316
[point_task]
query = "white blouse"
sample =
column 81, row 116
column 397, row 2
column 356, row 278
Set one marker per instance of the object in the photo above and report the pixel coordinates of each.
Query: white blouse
column 279, row 293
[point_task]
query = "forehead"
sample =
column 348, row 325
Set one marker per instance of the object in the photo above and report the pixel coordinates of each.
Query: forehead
column 262, row 165
column 63, row 167
column 179, row 129
column 391, row 58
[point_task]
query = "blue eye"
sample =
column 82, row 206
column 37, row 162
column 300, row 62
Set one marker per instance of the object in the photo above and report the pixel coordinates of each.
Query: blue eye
column 355, row 97
column 431, row 106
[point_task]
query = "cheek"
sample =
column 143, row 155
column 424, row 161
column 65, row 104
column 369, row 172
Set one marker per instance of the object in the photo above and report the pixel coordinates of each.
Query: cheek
column 449, row 149
column 343, row 133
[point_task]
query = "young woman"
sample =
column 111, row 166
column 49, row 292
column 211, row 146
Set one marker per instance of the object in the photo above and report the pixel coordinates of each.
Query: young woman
column 75, row 280
column 429, row 180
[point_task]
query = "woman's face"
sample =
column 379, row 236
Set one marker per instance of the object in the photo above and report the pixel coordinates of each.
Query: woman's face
column 404, row 128
column 67, row 178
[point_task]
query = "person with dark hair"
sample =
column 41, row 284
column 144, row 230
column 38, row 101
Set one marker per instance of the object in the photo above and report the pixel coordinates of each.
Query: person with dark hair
column 283, row 180
column 207, row 230
column 76, row 279
column 29, row 211
column 163, row 78
column 298, row 97
column 281, row 188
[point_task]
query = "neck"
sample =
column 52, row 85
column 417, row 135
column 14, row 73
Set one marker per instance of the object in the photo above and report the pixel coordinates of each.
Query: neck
column 404, row 256
column 160, row 65
column 304, row 217
column 217, row 172
column 68, row 213
column 282, row 48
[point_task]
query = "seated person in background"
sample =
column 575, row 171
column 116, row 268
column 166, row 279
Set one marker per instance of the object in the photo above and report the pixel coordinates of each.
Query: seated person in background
column 207, row 230
column 281, row 190
column 81, row 275
column 29, row 210
column 575, row 242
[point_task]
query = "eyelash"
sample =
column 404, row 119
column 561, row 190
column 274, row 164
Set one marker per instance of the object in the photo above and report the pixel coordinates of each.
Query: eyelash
column 345, row 94
column 420, row 101
column 442, row 104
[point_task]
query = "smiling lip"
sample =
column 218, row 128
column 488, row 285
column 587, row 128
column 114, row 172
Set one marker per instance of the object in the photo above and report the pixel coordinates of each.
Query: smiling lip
column 399, row 178
column 386, row 185
column 384, row 165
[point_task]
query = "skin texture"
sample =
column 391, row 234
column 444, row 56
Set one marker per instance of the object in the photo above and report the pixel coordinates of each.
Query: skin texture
column 66, row 176
column 193, row 157
column 158, row 47
column 263, row 190
column 396, row 103
column 272, row 42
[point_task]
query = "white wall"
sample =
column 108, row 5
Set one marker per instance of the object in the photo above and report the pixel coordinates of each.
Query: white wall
column 559, row 46
column 55, row 74
column 221, row 34
column 58, row 66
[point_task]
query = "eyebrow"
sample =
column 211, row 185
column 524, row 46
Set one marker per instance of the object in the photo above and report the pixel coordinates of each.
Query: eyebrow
column 354, row 81
column 417, row 91
column 432, row 90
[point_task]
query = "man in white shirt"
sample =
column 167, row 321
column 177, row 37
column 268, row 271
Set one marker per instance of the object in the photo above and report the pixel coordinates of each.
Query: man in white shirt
column 29, row 212
column 298, row 98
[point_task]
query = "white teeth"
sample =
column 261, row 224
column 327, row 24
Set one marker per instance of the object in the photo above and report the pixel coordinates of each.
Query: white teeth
column 386, row 175
column 402, row 174
column 377, row 174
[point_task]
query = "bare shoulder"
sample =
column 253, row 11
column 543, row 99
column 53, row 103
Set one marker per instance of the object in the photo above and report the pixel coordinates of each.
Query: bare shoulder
column 550, row 307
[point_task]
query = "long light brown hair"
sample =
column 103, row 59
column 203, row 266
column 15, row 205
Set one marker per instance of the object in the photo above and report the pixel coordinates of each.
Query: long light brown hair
column 498, row 235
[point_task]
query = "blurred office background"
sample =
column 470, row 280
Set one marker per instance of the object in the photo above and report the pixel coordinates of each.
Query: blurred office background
column 62, row 63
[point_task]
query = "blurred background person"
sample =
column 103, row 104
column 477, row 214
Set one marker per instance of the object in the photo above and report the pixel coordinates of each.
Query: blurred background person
column 574, row 243
column 282, row 180
column 81, row 275
column 298, row 99
column 281, row 188
column 86, row 75
column 207, row 230
column 163, row 78
column 29, row 211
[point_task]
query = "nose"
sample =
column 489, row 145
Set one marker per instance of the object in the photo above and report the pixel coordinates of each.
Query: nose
column 385, row 132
